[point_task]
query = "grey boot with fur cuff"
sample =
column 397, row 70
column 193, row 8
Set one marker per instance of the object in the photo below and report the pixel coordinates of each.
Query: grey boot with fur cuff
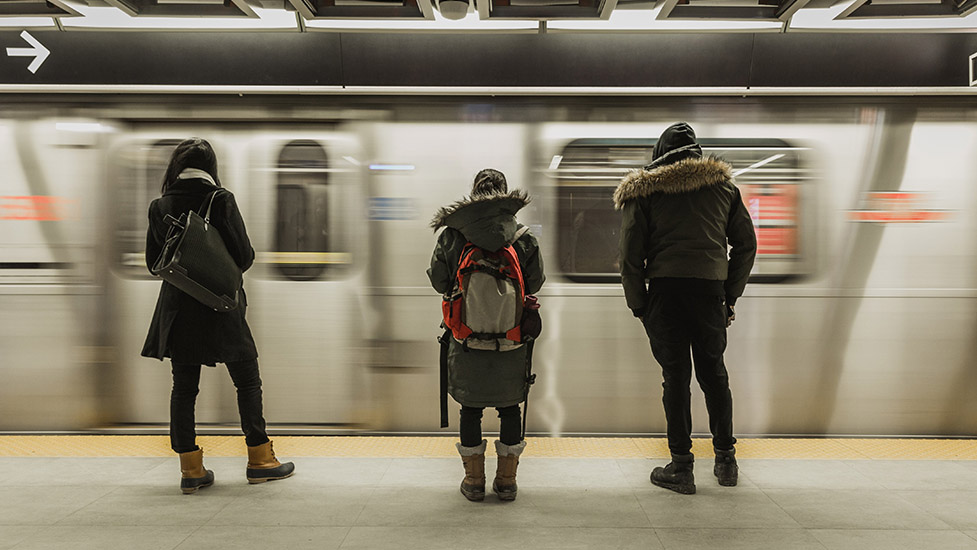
column 473, row 486
column 505, row 475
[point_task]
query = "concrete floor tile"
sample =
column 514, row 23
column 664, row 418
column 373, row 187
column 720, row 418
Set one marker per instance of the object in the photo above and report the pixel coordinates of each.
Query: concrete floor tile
column 738, row 539
column 718, row 507
column 566, row 472
column 58, row 472
column 340, row 471
column 806, row 474
column 637, row 472
column 488, row 538
column 819, row 509
column 86, row 537
column 45, row 505
column 957, row 508
column 154, row 506
column 425, row 472
column 585, row 507
column 10, row 535
column 845, row 539
column 284, row 503
column 239, row 537
column 926, row 475
column 541, row 507
column 441, row 506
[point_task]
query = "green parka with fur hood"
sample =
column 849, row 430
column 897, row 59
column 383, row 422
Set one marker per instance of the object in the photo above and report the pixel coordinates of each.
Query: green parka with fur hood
column 679, row 213
column 478, row 378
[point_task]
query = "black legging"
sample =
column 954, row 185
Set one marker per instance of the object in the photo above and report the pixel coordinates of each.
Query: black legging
column 471, row 425
column 186, row 384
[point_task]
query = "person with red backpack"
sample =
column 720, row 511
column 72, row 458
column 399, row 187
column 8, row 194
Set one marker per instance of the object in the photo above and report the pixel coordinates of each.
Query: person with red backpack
column 485, row 264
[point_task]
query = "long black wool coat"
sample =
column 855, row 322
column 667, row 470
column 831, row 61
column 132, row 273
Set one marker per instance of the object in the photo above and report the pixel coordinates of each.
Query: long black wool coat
column 183, row 329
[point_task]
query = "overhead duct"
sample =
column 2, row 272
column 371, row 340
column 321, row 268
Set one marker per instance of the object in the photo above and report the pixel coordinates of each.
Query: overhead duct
column 453, row 9
column 732, row 10
column 364, row 9
column 864, row 9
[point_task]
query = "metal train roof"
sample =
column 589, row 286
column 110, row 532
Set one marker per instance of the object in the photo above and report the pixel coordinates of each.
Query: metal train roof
column 495, row 15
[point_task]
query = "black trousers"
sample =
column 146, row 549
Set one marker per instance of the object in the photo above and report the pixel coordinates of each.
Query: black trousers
column 183, row 398
column 676, row 323
column 510, row 432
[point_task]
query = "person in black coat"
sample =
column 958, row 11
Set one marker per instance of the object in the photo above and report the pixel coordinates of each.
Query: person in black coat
column 191, row 334
column 687, row 249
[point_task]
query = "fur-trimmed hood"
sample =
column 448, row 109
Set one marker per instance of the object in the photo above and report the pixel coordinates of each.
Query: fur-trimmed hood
column 681, row 177
column 488, row 221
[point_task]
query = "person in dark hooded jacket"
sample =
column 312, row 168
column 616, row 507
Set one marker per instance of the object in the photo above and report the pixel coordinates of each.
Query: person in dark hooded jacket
column 486, row 378
column 681, row 215
column 191, row 334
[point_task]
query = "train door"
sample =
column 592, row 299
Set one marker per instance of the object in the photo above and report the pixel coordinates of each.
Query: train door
column 140, row 390
column 49, row 176
column 306, row 218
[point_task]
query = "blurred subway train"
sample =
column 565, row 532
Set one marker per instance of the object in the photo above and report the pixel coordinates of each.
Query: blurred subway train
column 860, row 318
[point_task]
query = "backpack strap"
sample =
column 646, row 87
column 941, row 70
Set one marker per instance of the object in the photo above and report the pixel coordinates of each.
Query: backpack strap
column 443, row 340
column 530, row 380
column 519, row 233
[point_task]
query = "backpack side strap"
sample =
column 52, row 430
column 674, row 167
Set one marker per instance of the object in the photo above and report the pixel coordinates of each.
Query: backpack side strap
column 519, row 233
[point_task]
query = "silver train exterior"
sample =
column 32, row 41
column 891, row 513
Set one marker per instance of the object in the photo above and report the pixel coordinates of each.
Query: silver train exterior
column 861, row 317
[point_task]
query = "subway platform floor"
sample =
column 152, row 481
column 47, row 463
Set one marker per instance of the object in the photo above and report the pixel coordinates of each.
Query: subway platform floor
column 83, row 492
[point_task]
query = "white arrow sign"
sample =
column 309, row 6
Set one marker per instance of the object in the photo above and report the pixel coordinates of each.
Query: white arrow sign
column 38, row 52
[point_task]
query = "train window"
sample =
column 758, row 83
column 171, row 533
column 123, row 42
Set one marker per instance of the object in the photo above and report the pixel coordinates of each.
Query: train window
column 138, row 174
column 306, row 244
column 769, row 174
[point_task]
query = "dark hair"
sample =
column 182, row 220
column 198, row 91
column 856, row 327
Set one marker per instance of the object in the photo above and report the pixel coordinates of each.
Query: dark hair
column 489, row 182
column 191, row 153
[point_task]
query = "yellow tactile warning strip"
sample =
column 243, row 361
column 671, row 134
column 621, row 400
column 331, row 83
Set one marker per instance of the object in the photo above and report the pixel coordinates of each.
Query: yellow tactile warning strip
column 436, row 447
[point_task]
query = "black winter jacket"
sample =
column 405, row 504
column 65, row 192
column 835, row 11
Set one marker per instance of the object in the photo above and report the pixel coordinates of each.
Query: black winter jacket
column 678, row 219
column 183, row 329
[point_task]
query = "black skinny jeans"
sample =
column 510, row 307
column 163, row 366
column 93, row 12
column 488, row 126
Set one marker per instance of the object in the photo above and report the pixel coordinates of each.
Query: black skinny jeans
column 674, row 323
column 510, row 432
column 186, row 386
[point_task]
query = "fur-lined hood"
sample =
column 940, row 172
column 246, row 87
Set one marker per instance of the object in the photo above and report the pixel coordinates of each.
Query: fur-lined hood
column 488, row 221
column 681, row 177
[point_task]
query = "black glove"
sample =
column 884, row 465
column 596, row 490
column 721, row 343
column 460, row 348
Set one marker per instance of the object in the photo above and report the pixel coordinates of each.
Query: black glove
column 730, row 315
column 640, row 312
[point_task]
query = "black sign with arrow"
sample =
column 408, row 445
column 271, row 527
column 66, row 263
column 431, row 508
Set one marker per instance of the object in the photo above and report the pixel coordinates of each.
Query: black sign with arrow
column 310, row 59
column 170, row 58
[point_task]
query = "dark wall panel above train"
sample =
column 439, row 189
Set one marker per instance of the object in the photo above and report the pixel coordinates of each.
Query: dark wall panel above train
column 882, row 60
column 547, row 60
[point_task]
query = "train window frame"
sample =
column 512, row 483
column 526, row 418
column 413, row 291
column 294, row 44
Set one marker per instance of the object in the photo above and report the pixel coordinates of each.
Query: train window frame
column 292, row 256
column 131, row 216
column 570, row 177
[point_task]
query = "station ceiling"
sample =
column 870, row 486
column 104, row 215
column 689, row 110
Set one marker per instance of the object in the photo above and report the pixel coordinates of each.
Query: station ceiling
column 496, row 15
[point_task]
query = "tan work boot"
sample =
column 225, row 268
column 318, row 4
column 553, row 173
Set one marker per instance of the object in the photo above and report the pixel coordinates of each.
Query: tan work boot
column 195, row 476
column 505, row 475
column 263, row 466
column 473, row 486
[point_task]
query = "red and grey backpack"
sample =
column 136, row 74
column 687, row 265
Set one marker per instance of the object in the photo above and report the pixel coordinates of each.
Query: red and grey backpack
column 484, row 308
